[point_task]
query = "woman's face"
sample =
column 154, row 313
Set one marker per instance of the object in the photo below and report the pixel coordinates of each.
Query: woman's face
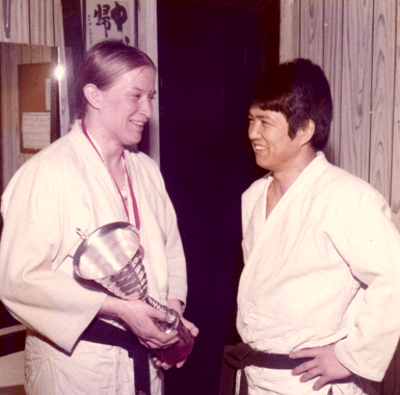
column 127, row 105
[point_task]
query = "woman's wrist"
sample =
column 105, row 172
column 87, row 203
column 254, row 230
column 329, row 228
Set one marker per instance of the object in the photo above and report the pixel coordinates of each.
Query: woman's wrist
column 111, row 307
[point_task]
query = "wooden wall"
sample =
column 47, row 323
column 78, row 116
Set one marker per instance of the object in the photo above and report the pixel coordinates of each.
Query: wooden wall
column 38, row 22
column 357, row 43
column 12, row 55
column 34, row 22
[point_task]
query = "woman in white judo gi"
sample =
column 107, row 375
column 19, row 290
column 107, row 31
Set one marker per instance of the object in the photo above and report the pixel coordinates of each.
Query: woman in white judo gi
column 319, row 292
column 84, row 180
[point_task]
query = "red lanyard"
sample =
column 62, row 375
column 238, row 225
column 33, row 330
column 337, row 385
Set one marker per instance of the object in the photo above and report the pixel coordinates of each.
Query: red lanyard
column 134, row 204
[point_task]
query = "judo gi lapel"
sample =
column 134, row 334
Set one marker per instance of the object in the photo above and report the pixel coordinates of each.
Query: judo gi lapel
column 99, row 180
column 149, row 200
column 268, row 241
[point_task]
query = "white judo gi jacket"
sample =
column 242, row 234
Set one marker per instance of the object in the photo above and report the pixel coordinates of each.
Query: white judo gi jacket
column 64, row 187
column 324, row 267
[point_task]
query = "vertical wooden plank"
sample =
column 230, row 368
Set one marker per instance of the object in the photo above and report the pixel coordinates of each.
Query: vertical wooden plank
column 383, row 64
column 385, row 128
column 58, row 24
column 356, row 87
column 395, row 192
column 11, row 57
column 148, row 43
column 311, row 30
column 23, row 18
column 35, row 21
column 333, row 52
column 63, row 86
column 15, row 57
column 33, row 54
column 289, row 30
column 41, row 22
column 19, row 22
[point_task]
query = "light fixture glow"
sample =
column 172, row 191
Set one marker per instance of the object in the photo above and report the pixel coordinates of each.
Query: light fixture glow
column 59, row 72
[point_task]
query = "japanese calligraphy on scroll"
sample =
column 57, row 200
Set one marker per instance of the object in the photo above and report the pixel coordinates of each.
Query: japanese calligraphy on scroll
column 109, row 20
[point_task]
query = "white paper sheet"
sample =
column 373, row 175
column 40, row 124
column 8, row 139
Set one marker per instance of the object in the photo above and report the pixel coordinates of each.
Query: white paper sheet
column 36, row 129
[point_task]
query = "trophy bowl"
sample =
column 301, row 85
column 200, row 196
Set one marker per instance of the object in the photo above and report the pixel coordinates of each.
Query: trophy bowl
column 103, row 252
column 106, row 256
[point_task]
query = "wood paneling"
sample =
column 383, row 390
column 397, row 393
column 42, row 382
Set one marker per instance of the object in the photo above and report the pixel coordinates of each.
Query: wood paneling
column 42, row 22
column 383, row 67
column 395, row 192
column 357, row 44
column 356, row 88
column 360, row 55
column 332, row 64
column 11, row 56
column 311, row 30
column 10, row 53
column 33, row 22
column 19, row 28
column 289, row 34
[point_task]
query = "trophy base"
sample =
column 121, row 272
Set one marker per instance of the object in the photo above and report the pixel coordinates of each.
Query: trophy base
column 180, row 350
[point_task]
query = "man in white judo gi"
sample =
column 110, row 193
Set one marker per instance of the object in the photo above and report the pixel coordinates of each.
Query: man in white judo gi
column 319, row 293
column 87, row 179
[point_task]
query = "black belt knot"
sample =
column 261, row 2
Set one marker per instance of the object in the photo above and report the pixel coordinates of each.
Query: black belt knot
column 242, row 355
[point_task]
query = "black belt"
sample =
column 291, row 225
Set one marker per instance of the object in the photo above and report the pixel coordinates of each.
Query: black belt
column 101, row 332
column 241, row 355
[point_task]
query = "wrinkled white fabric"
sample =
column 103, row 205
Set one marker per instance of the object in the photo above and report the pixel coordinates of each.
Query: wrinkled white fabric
column 93, row 369
column 324, row 267
column 62, row 188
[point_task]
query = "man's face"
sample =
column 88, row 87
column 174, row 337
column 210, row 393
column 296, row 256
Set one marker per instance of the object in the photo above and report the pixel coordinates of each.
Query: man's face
column 269, row 135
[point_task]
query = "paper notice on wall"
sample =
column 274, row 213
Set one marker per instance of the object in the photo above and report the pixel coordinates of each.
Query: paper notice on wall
column 35, row 130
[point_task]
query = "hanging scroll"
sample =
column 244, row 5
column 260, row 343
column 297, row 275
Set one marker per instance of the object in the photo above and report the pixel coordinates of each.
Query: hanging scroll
column 109, row 20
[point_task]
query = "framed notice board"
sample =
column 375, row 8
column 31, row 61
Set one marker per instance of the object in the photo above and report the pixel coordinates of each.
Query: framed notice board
column 37, row 89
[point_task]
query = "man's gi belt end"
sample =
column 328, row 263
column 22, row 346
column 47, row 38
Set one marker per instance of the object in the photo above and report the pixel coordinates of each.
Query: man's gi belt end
column 242, row 355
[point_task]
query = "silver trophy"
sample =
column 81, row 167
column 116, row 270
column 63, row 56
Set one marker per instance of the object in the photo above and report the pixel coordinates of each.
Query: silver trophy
column 112, row 256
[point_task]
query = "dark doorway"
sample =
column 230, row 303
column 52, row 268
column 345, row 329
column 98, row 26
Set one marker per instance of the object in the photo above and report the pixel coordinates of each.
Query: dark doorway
column 209, row 56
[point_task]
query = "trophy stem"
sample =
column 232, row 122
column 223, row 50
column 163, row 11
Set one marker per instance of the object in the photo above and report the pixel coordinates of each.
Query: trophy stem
column 173, row 317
